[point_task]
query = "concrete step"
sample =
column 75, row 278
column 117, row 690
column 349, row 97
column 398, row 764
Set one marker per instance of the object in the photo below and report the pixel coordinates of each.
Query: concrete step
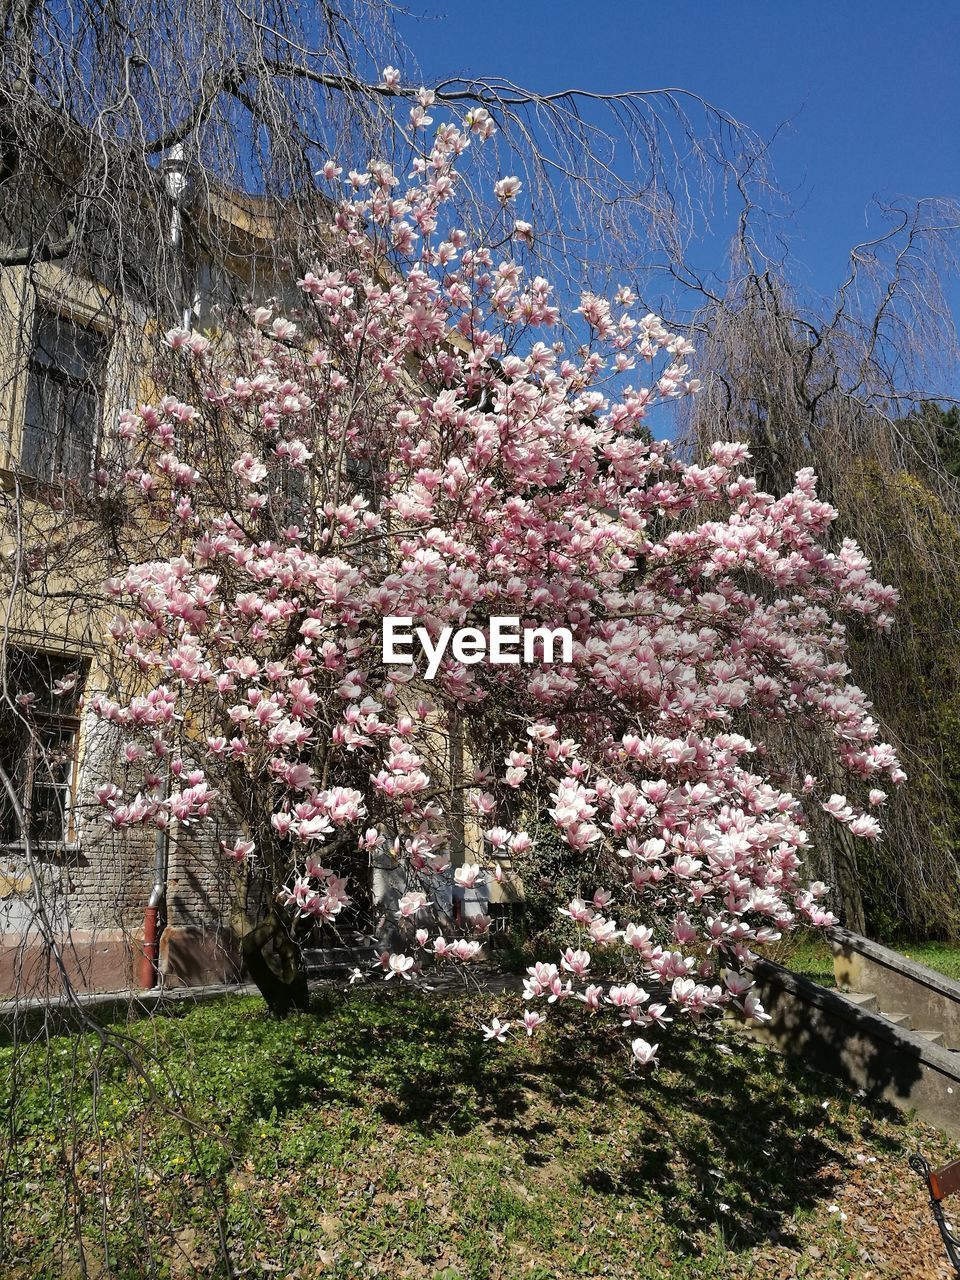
column 935, row 1037
column 898, row 1019
column 862, row 999
column 899, row 983
column 867, row 1001
column 839, row 1033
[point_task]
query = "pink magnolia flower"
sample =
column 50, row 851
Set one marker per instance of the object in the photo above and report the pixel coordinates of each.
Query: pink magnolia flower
column 465, row 950
column 239, row 851
column 638, row 936
column 643, row 1052
column 838, row 807
column 506, row 189
column 865, row 826
column 411, row 903
column 737, row 984
column 249, row 469
column 754, row 1009
column 467, row 875
column 497, row 1030
column 540, row 979
column 400, row 964
column 578, row 911
column 575, row 962
column 592, row 997
column 602, row 931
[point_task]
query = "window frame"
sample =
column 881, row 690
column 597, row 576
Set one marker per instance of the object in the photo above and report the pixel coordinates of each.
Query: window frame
column 84, row 302
column 32, row 724
column 62, row 312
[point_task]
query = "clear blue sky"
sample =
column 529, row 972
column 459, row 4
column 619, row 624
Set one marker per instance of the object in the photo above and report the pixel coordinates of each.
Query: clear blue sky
column 872, row 89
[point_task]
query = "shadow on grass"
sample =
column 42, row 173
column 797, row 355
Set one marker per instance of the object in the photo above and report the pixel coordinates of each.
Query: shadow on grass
column 747, row 1139
column 730, row 1141
column 746, row 1130
column 741, row 1139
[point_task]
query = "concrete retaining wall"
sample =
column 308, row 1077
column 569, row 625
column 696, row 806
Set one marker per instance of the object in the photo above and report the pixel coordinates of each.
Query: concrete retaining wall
column 900, row 985
column 834, row 1035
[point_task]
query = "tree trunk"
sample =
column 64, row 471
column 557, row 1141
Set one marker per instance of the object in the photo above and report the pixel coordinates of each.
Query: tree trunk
column 274, row 963
column 849, row 898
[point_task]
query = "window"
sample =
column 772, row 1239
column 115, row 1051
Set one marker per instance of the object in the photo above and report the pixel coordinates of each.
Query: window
column 291, row 494
column 362, row 476
column 38, row 743
column 65, row 378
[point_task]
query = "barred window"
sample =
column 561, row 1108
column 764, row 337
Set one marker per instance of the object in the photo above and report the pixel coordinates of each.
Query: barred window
column 39, row 735
column 65, row 378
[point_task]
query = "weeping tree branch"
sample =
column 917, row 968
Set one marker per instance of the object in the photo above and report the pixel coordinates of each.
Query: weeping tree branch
column 260, row 93
column 839, row 385
column 46, row 250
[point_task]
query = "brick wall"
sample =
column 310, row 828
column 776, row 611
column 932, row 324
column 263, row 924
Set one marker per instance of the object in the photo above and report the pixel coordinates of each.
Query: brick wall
column 93, row 894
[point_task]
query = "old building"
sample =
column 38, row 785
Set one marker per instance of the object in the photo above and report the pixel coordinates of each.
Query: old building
column 74, row 349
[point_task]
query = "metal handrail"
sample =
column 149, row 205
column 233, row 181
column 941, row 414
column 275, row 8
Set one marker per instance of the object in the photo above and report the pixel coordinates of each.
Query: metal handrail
column 952, row 1242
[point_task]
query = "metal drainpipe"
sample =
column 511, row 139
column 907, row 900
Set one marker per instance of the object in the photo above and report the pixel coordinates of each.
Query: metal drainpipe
column 173, row 168
column 153, row 915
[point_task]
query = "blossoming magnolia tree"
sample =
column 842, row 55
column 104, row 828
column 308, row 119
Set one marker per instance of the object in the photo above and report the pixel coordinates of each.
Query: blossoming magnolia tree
column 416, row 442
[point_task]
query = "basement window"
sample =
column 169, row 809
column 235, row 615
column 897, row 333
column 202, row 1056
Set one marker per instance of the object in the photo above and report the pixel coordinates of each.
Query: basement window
column 39, row 737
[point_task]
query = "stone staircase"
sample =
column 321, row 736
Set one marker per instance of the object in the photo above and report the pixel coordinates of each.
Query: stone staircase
column 869, row 1002
column 891, row 1027
column 906, row 994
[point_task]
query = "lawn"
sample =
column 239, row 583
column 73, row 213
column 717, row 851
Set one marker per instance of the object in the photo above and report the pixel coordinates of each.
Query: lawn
column 379, row 1136
column 935, row 955
column 808, row 953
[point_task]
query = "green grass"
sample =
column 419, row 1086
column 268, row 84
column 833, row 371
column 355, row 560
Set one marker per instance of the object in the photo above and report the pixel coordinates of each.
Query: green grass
column 935, row 955
column 379, row 1136
column 808, row 953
